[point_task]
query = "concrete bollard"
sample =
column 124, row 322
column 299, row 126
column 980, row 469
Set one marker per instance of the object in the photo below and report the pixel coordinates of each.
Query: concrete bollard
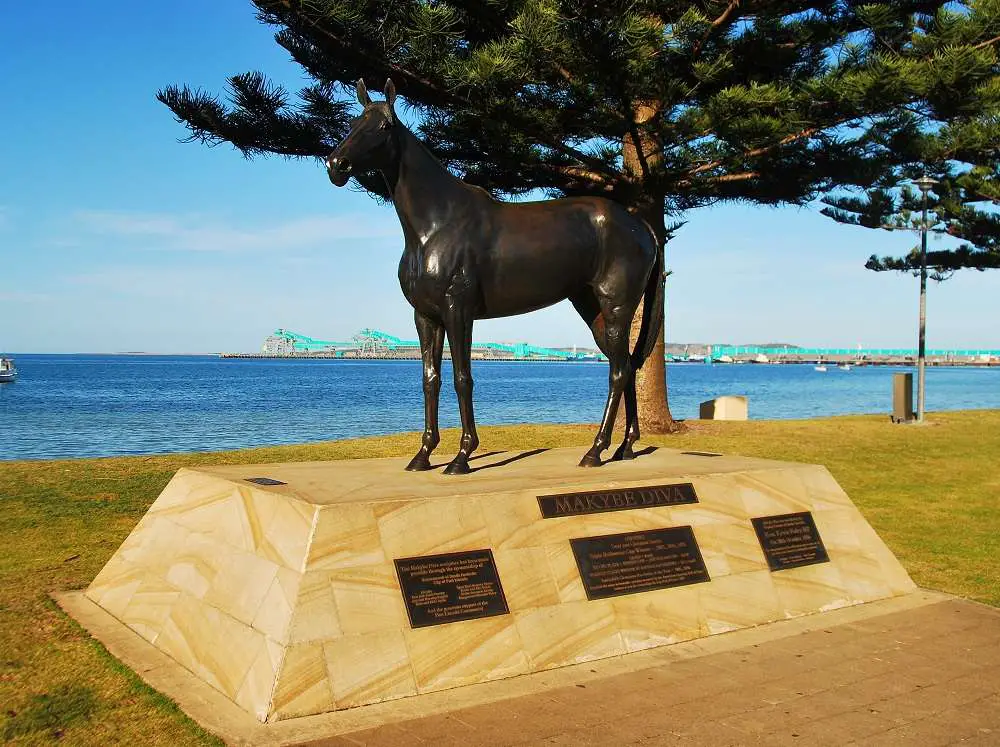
column 730, row 407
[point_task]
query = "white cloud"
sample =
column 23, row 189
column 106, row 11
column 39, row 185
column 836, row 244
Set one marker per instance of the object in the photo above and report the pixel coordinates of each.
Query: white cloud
column 22, row 297
column 146, row 282
column 196, row 233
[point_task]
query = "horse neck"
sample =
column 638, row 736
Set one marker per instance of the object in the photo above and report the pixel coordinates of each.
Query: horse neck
column 424, row 193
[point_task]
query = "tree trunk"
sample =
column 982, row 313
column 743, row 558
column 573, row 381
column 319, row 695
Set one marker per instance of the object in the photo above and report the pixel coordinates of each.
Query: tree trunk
column 651, row 379
column 640, row 153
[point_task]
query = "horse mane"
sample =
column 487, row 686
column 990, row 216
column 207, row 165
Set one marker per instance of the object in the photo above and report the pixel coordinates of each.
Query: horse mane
column 423, row 146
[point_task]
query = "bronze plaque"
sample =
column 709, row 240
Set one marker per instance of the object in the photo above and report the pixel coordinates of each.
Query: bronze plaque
column 440, row 589
column 616, row 499
column 790, row 540
column 628, row 563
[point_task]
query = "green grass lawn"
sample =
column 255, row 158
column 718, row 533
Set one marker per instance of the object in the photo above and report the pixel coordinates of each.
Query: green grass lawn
column 932, row 492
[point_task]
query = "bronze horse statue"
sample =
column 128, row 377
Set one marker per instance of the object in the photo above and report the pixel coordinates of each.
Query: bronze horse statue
column 469, row 256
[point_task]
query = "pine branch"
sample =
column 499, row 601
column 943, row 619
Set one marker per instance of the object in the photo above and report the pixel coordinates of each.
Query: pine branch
column 946, row 261
column 715, row 26
column 987, row 43
column 764, row 150
column 726, row 178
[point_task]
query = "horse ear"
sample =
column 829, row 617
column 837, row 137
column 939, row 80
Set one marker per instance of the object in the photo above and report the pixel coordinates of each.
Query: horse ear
column 363, row 98
column 390, row 94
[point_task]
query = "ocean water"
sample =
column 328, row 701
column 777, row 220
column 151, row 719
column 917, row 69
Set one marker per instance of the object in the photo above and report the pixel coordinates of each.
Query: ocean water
column 84, row 406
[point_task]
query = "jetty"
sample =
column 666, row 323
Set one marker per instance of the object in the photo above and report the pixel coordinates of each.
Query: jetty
column 374, row 344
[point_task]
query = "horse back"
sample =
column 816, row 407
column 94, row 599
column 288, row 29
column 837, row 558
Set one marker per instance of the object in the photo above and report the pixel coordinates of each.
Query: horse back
column 540, row 253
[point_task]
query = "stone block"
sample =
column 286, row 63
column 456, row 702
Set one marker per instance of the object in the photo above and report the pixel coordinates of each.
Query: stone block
column 729, row 407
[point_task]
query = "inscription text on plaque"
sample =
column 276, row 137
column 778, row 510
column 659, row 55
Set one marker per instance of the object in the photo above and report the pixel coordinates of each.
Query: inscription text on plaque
column 616, row 499
column 790, row 540
column 447, row 588
column 616, row 564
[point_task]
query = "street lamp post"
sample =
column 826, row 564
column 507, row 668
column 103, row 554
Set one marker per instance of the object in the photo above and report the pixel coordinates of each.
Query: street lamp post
column 924, row 184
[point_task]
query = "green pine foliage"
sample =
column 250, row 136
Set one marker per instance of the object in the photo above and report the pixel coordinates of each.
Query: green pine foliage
column 662, row 105
column 952, row 136
column 962, row 208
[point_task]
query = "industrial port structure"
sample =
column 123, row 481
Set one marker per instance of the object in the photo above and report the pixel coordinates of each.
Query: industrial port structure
column 376, row 344
column 373, row 343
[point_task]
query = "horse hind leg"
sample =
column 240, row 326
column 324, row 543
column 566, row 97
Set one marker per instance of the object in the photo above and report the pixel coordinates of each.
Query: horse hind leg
column 612, row 324
column 631, row 422
column 586, row 305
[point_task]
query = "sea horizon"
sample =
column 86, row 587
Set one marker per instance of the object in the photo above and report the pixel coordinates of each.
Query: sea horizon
column 91, row 405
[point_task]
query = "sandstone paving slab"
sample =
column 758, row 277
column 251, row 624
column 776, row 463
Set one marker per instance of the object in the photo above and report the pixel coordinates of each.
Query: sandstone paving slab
column 869, row 699
column 863, row 675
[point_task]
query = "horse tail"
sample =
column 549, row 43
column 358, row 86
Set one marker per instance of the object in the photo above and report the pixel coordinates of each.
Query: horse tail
column 652, row 306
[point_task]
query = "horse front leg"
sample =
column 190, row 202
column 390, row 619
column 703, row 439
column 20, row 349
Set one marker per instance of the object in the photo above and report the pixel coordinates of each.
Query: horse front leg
column 459, row 328
column 430, row 332
column 616, row 335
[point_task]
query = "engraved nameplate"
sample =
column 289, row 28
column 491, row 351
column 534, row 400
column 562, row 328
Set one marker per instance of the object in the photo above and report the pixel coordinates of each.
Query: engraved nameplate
column 440, row 589
column 628, row 563
column 616, row 499
column 265, row 481
column 790, row 540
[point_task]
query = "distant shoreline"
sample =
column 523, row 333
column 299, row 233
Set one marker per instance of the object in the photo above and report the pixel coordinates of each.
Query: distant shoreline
column 843, row 361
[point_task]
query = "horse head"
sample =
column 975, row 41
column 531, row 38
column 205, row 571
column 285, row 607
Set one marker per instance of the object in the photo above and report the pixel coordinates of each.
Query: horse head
column 371, row 143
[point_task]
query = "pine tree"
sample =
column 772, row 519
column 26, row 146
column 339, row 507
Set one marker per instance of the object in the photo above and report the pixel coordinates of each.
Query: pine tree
column 963, row 158
column 661, row 105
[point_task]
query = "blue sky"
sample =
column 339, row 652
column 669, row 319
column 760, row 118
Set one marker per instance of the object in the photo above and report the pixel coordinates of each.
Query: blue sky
column 114, row 236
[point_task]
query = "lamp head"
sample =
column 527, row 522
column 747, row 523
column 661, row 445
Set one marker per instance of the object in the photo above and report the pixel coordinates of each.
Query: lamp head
column 925, row 184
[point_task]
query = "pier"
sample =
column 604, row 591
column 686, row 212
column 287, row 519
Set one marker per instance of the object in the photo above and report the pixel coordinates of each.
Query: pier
column 373, row 344
column 849, row 356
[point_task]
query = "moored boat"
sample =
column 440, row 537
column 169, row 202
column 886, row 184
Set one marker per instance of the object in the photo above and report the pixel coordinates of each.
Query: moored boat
column 8, row 372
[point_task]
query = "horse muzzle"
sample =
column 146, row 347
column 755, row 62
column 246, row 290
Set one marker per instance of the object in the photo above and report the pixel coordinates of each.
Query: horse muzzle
column 339, row 171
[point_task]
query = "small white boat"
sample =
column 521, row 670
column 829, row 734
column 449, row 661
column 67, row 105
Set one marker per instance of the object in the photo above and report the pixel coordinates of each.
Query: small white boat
column 8, row 373
column 844, row 366
column 821, row 368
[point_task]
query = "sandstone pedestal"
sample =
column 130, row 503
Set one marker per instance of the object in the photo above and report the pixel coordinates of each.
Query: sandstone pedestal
column 303, row 588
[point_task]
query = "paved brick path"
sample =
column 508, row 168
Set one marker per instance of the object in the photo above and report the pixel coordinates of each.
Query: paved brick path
column 927, row 676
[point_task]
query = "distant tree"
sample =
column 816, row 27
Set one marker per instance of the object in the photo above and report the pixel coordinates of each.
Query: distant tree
column 664, row 106
column 964, row 159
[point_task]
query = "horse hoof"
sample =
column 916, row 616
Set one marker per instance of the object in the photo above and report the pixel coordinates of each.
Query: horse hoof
column 458, row 466
column 621, row 454
column 419, row 463
column 590, row 460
